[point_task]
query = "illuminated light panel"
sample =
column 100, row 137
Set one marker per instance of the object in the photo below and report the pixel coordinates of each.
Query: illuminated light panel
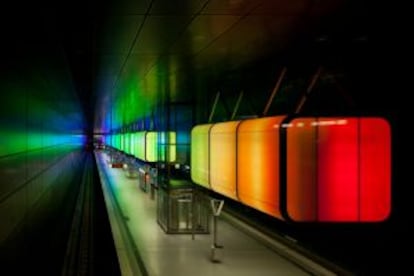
column 200, row 154
column 375, row 169
column 124, row 142
column 140, row 145
column 117, row 141
column 121, row 142
column 301, row 165
column 151, row 148
column 338, row 170
column 127, row 142
column 258, row 164
column 223, row 158
column 133, row 145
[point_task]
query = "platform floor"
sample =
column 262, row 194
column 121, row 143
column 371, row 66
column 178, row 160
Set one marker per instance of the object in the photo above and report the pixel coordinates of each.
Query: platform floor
column 136, row 232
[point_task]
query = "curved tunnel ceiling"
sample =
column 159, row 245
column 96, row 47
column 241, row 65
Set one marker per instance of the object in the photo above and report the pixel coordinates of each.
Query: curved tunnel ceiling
column 118, row 52
column 151, row 48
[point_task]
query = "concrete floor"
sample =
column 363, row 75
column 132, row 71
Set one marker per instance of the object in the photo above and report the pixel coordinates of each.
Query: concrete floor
column 178, row 254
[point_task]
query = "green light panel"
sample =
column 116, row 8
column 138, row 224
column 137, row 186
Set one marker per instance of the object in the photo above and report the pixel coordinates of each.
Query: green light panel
column 140, row 145
column 128, row 142
column 200, row 154
column 132, row 137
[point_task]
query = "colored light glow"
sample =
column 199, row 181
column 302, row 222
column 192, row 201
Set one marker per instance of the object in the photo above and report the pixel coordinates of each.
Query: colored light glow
column 258, row 164
column 111, row 139
column 200, row 154
column 40, row 124
column 183, row 137
column 151, row 146
column 12, row 142
column 223, row 158
column 338, row 172
column 183, row 145
column 33, row 118
column 19, row 141
column 131, row 99
column 167, row 146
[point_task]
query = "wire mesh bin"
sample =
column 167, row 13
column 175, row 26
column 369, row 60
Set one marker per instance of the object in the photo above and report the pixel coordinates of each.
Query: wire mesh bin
column 179, row 209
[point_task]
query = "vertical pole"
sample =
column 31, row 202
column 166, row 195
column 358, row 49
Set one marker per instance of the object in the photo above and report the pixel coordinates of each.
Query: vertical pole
column 236, row 107
column 213, row 108
column 309, row 89
column 215, row 231
column 216, row 207
column 192, row 215
column 274, row 91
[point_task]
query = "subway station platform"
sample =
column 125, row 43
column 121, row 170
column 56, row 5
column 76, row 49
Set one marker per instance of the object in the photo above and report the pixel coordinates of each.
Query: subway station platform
column 143, row 248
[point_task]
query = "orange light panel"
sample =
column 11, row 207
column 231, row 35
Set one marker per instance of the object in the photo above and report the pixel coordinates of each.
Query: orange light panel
column 258, row 164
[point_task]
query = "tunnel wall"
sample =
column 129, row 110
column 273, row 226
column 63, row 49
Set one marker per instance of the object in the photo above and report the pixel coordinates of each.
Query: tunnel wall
column 41, row 156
